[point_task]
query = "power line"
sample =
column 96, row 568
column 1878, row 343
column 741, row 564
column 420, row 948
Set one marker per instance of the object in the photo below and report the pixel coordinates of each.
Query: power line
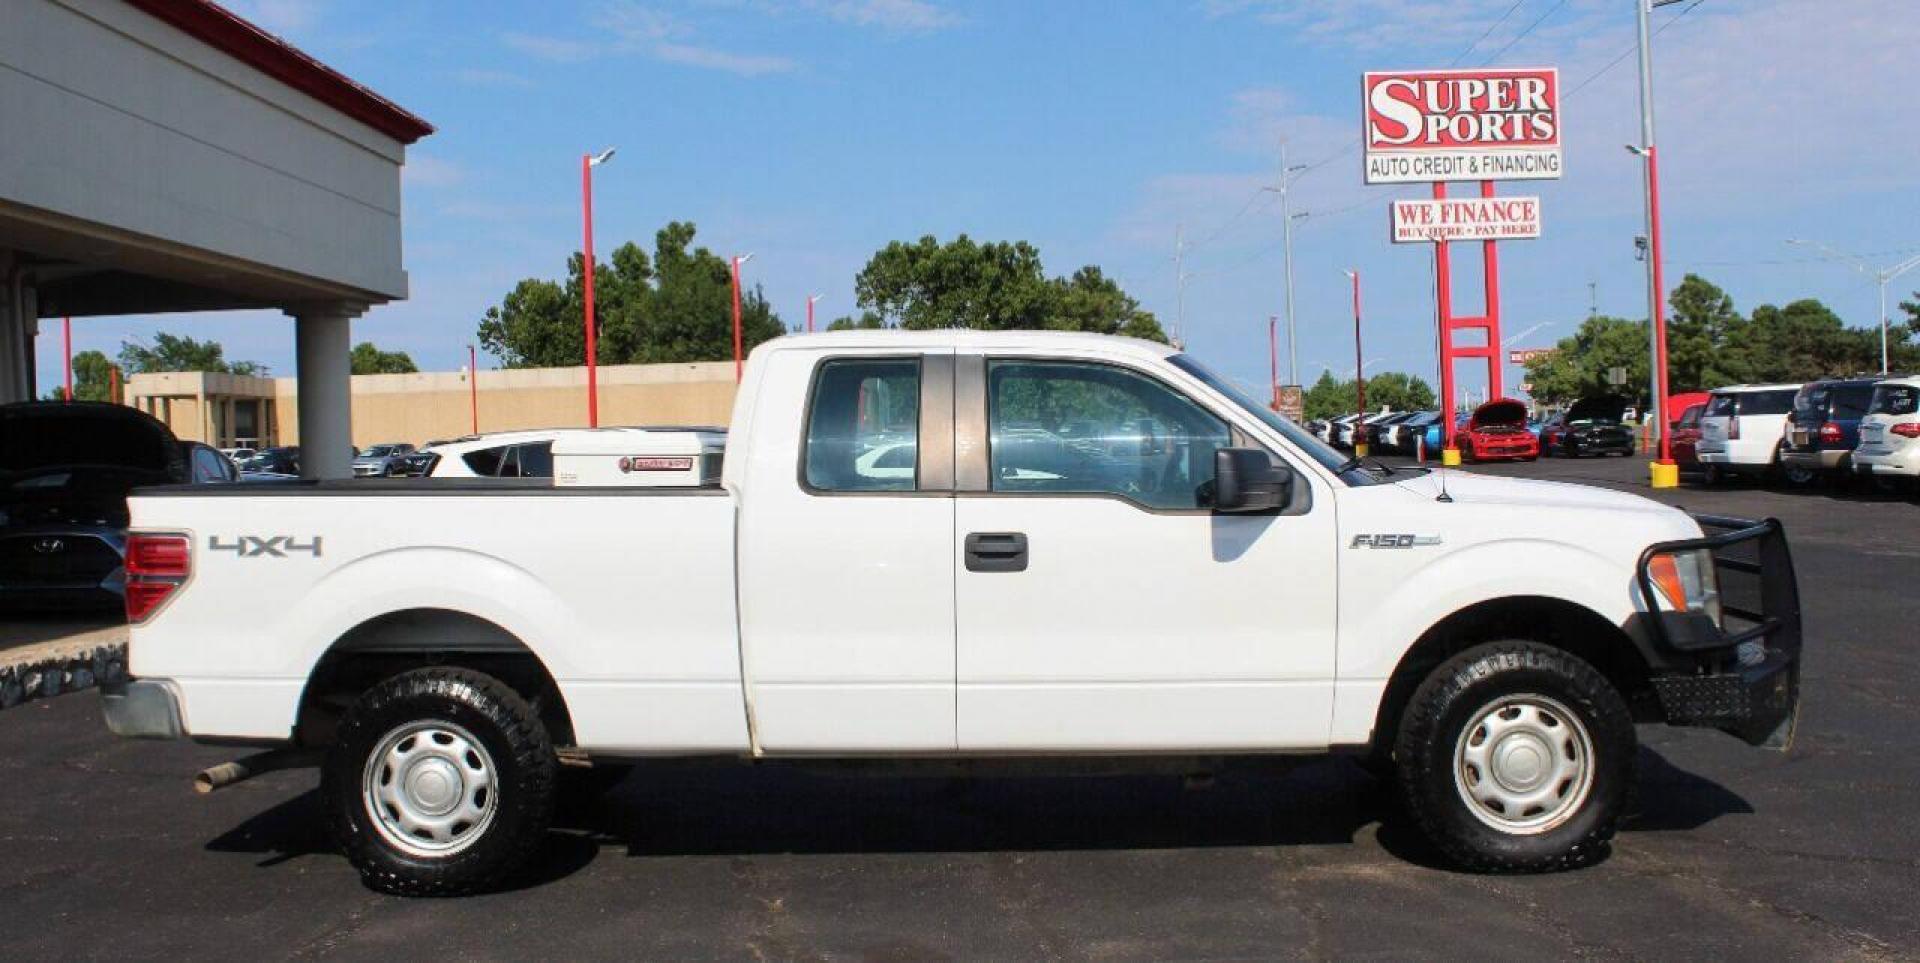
column 1522, row 35
column 1615, row 62
column 1517, row 4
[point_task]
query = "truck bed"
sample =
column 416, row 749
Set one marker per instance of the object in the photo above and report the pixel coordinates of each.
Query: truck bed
column 625, row 594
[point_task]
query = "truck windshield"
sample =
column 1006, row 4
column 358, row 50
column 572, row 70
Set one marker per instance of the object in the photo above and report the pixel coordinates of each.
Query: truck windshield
column 1312, row 447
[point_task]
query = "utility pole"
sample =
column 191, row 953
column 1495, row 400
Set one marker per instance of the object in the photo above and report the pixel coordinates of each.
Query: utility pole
column 1593, row 300
column 1287, row 217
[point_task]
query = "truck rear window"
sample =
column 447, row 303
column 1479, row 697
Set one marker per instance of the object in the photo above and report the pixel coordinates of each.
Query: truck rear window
column 863, row 426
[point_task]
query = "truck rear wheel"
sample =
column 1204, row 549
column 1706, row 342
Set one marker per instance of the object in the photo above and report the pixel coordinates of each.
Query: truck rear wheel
column 441, row 782
column 1516, row 757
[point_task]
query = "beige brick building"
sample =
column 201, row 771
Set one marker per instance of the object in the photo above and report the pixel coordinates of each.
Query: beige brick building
column 233, row 411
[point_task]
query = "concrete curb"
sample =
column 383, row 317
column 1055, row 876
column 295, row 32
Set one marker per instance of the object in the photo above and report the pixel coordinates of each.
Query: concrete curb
column 45, row 675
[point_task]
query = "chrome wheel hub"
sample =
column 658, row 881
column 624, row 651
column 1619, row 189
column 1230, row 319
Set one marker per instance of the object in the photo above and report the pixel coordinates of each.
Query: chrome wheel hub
column 1524, row 764
column 430, row 788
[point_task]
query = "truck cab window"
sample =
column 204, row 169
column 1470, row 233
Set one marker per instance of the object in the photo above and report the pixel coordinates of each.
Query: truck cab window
column 1060, row 427
column 863, row 427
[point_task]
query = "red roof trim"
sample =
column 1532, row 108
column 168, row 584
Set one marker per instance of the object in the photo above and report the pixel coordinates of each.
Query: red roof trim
column 219, row 28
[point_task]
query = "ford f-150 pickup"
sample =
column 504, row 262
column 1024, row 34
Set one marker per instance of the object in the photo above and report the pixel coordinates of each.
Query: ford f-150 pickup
column 932, row 546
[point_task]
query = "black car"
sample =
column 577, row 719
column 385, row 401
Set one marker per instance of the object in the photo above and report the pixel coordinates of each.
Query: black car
column 280, row 461
column 1824, row 428
column 1593, row 426
column 65, row 471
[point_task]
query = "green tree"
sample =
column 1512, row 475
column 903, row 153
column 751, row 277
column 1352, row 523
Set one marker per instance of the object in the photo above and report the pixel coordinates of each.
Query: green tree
column 367, row 359
column 92, row 379
column 1328, row 398
column 1704, row 335
column 170, row 353
column 1579, row 365
column 867, row 321
column 674, row 306
column 995, row 286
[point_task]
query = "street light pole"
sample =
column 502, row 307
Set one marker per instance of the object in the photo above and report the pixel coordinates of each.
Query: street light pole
column 1881, row 279
column 1359, row 367
column 587, row 163
column 1287, row 217
column 1273, row 359
column 1664, row 474
column 739, row 360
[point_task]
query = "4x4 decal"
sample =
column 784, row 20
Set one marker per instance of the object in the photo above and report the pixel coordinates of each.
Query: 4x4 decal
column 253, row 546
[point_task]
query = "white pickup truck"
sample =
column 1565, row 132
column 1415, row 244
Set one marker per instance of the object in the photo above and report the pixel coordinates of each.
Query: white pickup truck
column 940, row 545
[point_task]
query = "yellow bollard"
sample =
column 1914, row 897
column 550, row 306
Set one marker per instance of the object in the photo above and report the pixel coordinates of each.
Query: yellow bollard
column 1450, row 458
column 1359, row 449
column 1664, row 474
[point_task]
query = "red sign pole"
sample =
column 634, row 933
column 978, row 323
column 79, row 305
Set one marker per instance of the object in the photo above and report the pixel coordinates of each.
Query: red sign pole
column 593, row 359
column 66, row 333
column 1443, row 296
column 1664, row 412
column 1490, row 260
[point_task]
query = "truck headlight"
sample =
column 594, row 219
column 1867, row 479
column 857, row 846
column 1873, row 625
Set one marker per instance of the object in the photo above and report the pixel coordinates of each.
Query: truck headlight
column 1687, row 582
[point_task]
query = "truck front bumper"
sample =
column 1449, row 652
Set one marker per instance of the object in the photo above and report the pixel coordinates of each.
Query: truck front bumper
column 1742, row 675
column 142, row 709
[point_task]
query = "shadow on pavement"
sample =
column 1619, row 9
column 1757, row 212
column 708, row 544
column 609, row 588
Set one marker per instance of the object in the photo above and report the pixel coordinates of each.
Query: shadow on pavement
column 675, row 808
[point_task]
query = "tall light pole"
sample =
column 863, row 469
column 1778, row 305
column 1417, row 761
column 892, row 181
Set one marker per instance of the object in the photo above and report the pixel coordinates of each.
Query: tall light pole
column 473, row 388
column 1881, row 278
column 1664, row 473
column 587, row 163
column 1287, row 217
column 811, row 301
column 739, row 360
column 1359, row 367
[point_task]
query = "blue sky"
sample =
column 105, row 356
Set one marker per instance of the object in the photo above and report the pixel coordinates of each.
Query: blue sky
column 812, row 132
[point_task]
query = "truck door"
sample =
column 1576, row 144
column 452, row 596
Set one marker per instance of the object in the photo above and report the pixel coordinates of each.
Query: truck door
column 846, row 553
column 1100, row 605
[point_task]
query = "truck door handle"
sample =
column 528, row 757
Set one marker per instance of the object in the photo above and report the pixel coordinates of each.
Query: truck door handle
column 997, row 552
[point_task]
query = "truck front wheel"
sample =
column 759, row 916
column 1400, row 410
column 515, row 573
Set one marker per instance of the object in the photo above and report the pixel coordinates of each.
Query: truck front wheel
column 1516, row 757
column 441, row 782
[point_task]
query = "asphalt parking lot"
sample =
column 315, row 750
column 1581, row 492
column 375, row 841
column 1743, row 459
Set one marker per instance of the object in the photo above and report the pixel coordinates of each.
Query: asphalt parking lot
column 1730, row 851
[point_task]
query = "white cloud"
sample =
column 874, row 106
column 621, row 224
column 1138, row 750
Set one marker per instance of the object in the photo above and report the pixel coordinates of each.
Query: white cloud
column 746, row 65
column 279, row 17
column 428, row 171
column 903, row 16
column 480, row 77
column 550, row 48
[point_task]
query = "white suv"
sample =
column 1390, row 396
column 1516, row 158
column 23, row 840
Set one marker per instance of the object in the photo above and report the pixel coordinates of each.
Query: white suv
column 1741, row 429
column 1889, row 448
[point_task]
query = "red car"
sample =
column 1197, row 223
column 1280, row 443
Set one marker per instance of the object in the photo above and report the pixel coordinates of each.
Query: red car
column 1686, row 432
column 1498, row 429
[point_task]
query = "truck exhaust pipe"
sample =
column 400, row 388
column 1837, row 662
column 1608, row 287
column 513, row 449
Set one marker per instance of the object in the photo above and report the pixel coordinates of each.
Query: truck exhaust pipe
column 228, row 773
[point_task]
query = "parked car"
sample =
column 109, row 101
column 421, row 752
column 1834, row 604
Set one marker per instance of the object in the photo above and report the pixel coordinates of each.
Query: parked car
column 1362, row 430
column 207, row 465
column 1824, row 429
column 239, row 454
column 1403, row 438
column 1503, row 636
column 283, row 460
column 417, row 463
column 377, row 461
column 1592, row 426
column 1683, row 443
column 65, row 471
column 1340, row 431
column 1498, row 430
column 1380, row 435
column 1740, row 432
column 1889, row 450
column 504, row 454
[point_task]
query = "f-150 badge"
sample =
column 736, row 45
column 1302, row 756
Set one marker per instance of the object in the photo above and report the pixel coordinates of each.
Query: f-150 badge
column 1389, row 540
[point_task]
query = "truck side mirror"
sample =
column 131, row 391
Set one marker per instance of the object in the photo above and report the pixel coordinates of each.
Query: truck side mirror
column 1249, row 480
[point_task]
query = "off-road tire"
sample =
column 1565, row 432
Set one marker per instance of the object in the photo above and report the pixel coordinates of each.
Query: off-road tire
column 520, row 751
column 1452, row 696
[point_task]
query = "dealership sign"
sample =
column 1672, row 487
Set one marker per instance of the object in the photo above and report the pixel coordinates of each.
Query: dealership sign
column 1466, row 219
column 1462, row 125
column 1524, row 356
